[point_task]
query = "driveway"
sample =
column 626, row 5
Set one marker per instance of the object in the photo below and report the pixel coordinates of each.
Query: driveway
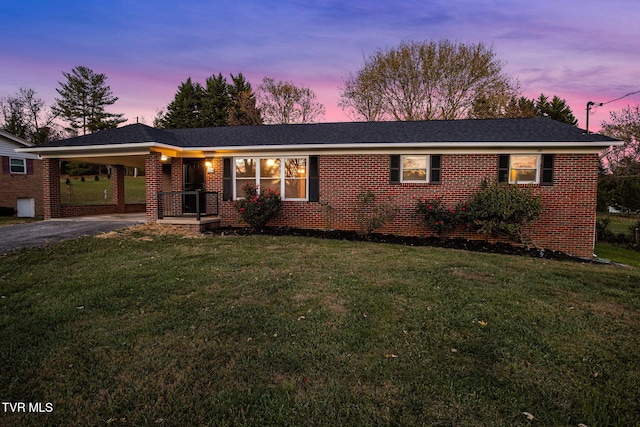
column 40, row 233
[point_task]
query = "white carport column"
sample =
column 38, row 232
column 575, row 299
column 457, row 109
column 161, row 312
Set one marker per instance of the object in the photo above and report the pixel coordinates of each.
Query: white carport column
column 153, row 179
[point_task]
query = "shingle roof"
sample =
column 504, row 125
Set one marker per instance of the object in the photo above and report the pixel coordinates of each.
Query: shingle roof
column 531, row 130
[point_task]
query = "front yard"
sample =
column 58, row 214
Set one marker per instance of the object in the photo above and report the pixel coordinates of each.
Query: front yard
column 148, row 328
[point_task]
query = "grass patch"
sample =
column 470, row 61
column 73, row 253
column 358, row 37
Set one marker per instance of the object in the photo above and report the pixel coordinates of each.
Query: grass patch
column 91, row 192
column 140, row 328
column 619, row 254
column 10, row 220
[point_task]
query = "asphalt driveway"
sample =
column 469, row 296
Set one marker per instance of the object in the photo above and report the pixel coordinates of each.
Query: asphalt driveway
column 40, row 233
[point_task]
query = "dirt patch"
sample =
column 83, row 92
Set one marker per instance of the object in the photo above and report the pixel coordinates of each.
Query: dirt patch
column 152, row 229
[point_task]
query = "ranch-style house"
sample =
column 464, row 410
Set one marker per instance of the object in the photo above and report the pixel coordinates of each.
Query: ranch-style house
column 193, row 176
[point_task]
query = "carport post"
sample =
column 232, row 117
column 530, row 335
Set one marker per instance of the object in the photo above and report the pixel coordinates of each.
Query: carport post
column 117, row 187
column 51, row 188
column 153, row 179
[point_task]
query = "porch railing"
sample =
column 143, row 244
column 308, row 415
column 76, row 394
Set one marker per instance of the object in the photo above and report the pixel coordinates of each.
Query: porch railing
column 190, row 204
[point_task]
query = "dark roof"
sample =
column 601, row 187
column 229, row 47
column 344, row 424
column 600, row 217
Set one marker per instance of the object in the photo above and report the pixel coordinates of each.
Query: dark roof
column 537, row 129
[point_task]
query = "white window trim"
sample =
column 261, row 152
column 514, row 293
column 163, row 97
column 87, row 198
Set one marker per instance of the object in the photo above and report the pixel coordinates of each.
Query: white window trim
column 414, row 181
column 282, row 175
column 538, row 166
column 24, row 165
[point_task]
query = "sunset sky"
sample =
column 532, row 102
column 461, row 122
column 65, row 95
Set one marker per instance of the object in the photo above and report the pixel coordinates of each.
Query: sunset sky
column 580, row 50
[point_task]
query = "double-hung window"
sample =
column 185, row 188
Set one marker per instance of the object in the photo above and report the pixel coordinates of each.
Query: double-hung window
column 415, row 168
column 17, row 166
column 286, row 176
column 526, row 168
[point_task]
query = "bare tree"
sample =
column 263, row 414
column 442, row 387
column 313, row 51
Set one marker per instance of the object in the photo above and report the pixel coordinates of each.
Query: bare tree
column 284, row 103
column 625, row 126
column 25, row 115
column 425, row 81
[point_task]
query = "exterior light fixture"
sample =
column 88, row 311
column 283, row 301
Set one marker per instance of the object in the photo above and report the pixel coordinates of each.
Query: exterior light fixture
column 209, row 166
column 163, row 158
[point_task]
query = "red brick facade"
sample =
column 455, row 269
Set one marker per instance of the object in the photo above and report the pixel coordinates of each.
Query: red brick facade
column 14, row 186
column 567, row 223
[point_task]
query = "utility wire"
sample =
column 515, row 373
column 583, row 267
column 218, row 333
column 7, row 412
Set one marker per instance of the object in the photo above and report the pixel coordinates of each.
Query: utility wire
column 618, row 99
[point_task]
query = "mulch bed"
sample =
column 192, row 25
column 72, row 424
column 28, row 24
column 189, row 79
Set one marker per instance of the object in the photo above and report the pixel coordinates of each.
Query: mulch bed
column 455, row 243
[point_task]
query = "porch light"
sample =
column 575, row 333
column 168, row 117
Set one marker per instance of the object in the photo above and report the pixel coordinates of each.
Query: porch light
column 163, row 158
column 209, row 166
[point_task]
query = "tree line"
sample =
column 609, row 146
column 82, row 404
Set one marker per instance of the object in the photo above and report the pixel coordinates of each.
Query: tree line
column 426, row 80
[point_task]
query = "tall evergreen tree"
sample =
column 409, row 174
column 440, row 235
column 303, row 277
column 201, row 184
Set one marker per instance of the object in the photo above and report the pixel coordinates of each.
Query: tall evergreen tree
column 243, row 110
column 215, row 102
column 184, row 110
column 83, row 99
column 557, row 109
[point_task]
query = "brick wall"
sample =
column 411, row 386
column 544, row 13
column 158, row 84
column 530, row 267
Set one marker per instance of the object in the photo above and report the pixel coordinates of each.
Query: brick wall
column 14, row 186
column 567, row 222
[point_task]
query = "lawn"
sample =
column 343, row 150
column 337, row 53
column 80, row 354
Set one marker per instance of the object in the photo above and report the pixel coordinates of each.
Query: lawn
column 92, row 192
column 143, row 327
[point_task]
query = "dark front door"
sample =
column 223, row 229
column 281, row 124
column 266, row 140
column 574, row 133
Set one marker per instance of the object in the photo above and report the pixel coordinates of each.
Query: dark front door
column 193, row 172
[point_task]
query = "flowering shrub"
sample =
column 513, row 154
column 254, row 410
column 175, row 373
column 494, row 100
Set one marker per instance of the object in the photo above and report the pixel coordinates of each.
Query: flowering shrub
column 258, row 208
column 435, row 215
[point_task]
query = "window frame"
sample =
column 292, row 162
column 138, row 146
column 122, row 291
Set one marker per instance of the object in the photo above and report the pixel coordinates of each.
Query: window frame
column 536, row 180
column 283, row 178
column 427, row 158
column 23, row 167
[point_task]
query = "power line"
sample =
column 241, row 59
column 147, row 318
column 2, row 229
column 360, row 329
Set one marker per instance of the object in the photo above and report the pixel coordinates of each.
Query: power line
column 600, row 104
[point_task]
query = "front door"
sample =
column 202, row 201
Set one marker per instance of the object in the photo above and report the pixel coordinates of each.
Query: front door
column 194, row 174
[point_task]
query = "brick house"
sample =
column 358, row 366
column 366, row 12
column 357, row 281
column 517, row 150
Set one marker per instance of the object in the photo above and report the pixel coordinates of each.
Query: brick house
column 20, row 178
column 319, row 169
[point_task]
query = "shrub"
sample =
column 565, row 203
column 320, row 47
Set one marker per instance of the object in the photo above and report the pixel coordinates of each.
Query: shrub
column 435, row 215
column 369, row 215
column 502, row 210
column 7, row 211
column 257, row 209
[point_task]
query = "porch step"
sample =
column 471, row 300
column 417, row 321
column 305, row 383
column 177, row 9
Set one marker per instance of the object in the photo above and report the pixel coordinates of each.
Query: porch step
column 203, row 224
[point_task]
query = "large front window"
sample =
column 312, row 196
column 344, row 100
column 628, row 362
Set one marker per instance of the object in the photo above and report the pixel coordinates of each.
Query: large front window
column 286, row 176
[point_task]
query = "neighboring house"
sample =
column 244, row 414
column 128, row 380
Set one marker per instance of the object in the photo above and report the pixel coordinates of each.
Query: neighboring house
column 21, row 177
column 319, row 169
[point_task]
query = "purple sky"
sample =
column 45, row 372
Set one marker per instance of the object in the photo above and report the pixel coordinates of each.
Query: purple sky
column 580, row 50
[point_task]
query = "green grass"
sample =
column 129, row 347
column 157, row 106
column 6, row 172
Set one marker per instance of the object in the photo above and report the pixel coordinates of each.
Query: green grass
column 620, row 223
column 91, row 192
column 145, row 328
column 10, row 220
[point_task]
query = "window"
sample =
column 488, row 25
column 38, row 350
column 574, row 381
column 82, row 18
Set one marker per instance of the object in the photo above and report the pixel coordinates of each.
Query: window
column 17, row 166
column 523, row 169
column 414, row 169
column 286, row 176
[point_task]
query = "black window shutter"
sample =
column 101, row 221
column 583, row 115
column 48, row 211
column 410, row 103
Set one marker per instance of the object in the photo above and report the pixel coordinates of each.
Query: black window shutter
column 503, row 168
column 5, row 165
column 436, row 167
column 314, row 179
column 29, row 166
column 394, row 175
column 547, row 169
column 227, row 179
